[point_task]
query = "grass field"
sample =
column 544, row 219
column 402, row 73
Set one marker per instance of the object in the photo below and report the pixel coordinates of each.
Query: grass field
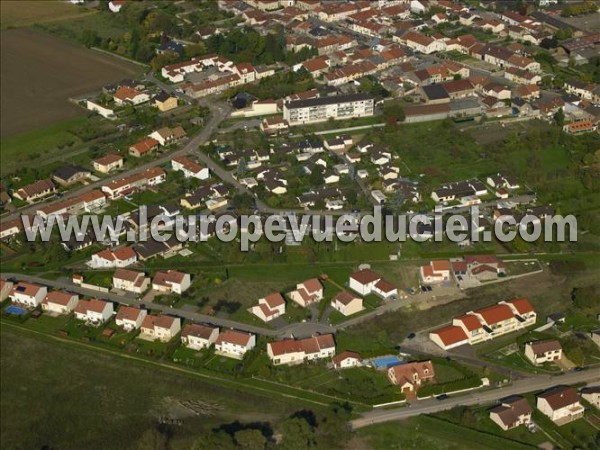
column 85, row 399
column 24, row 13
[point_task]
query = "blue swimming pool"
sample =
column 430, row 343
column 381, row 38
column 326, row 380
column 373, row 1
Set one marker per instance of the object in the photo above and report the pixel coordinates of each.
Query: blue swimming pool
column 16, row 310
column 385, row 362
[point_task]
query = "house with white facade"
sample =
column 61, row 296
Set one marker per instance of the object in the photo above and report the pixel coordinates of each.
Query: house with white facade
column 561, row 404
column 161, row 327
column 60, row 302
column 367, row 281
column 437, row 271
column 346, row 360
column 190, row 169
column 113, row 258
column 540, row 352
column 28, row 294
column 292, row 351
column 94, row 312
column 486, row 324
column 198, row 337
column 511, row 413
column 130, row 318
column 234, row 344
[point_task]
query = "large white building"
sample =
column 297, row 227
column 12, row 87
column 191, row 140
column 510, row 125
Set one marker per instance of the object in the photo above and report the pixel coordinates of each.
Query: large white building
column 321, row 109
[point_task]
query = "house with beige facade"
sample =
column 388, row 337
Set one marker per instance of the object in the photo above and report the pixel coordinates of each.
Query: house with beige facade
column 162, row 327
column 307, row 292
column 540, row 352
column 511, row 413
column 130, row 281
column 60, row 302
column 347, row 303
column 234, row 344
column 561, row 404
column 130, row 318
column 297, row 351
column 198, row 337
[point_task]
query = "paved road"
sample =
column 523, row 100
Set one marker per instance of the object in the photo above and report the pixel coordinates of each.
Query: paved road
column 219, row 111
column 475, row 397
column 296, row 329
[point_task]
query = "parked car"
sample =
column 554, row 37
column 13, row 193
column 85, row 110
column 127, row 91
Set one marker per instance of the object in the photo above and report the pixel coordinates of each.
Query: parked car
column 411, row 335
column 442, row 397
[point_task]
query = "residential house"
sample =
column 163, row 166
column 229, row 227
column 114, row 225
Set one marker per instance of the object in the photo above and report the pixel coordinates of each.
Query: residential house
column 126, row 94
column 591, row 395
column 130, row 318
column 561, row 404
column 274, row 125
column 539, row 352
column 143, row 147
column 108, row 163
column 198, row 337
column 411, row 376
column 94, row 312
column 346, row 360
column 234, row 344
column 367, row 281
column 165, row 102
column 436, row 272
column 580, row 127
column 171, row 282
column 307, row 292
column 35, row 191
column 161, row 327
column 130, row 281
column 269, row 307
column 190, row 169
column 28, row 294
column 119, row 257
column 511, row 413
column 68, row 175
column 166, row 135
column 347, row 303
column 291, row 351
column 485, row 324
column 60, row 302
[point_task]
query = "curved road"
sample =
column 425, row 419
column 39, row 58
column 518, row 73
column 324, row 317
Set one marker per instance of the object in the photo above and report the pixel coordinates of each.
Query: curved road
column 219, row 111
column 433, row 405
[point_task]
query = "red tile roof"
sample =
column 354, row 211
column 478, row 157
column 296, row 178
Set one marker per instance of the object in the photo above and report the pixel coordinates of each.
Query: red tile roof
column 495, row 313
column 451, row 335
column 470, row 322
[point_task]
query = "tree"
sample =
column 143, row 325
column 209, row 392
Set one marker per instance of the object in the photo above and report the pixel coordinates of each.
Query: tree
column 214, row 440
column 559, row 117
column 166, row 58
column 393, row 113
column 90, row 38
column 316, row 176
column 250, row 439
column 297, row 434
column 242, row 167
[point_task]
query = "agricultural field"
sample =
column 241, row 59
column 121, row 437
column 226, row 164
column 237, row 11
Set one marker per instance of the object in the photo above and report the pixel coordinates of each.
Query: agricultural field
column 114, row 393
column 24, row 13
column 36, row 89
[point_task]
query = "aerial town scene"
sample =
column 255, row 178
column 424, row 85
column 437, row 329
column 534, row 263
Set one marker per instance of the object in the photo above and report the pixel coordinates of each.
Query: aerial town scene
column 300, row 224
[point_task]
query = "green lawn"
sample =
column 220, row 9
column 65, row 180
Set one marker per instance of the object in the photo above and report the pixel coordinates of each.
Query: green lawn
column 30, row 145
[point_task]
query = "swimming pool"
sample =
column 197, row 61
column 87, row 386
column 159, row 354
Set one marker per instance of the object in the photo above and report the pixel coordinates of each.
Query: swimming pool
column 385, row 362
column 16, row 310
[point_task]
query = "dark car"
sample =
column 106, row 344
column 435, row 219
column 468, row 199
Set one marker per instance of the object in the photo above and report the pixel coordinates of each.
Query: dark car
column 411, row 335
column 441, row 397
column 579, row 369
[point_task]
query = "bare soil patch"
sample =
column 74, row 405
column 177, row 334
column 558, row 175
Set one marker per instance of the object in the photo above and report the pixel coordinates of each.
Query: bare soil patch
column 40, row 73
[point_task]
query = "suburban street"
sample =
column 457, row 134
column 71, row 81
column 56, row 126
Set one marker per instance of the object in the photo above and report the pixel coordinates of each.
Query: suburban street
column 218, row 112
column 304, row 329
column 433, row 405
